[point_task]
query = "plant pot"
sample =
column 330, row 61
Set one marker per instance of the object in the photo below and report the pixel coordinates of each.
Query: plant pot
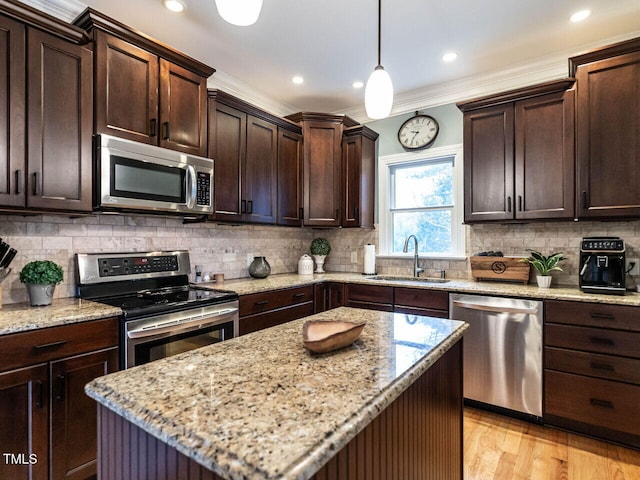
column 319, row 263
column 40, row 295
column 259, row 268
column 544, row 281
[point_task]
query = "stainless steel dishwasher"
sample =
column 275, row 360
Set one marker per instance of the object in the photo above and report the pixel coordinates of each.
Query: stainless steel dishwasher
column 502, row 352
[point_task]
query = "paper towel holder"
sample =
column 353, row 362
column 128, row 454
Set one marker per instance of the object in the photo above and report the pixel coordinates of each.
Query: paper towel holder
column 375, row 271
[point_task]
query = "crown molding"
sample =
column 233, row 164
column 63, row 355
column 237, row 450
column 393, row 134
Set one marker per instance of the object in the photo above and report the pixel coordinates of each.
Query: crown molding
column 63, row 9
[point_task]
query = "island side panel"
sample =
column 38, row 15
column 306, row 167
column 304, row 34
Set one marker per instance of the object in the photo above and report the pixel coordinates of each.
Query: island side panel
column 418, row 436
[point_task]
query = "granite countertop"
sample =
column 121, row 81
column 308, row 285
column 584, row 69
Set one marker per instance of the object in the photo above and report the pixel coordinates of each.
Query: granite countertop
column 20, row 317
column 261, row 406
column 247, row 286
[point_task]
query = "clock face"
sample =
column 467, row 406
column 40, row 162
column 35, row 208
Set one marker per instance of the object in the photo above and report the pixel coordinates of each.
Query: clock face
column 419, row 131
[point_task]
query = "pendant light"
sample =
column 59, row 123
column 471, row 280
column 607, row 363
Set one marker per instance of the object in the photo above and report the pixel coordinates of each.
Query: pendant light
column 239, row 12
column 378, row 94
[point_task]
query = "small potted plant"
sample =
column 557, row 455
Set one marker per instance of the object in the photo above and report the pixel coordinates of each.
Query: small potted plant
column 320, row 248
column 544, row 265
column 41, row 278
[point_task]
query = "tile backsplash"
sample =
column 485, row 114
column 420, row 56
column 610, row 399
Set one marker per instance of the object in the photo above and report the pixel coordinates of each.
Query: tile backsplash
column 222, row 248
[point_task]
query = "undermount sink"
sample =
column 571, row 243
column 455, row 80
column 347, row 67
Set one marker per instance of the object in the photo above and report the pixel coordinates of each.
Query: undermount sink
column 391, row 278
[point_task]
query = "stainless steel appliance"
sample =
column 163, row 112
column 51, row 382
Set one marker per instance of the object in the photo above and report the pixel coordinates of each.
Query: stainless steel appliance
column 502, row 353
column 137, row 176
column 162, row 314
column 603, row 265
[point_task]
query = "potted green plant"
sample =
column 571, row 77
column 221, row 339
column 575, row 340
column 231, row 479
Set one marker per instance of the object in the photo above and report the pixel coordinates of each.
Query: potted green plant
column 320, row 248
column 41, row 278
column 544, row 265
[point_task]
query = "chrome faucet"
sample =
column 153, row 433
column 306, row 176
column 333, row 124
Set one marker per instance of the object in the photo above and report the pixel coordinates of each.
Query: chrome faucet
column 416, row 266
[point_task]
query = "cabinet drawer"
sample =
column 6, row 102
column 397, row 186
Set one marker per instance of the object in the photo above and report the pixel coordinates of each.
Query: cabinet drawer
column 260, row 321
column 425, row 312
column 593, row 315
column 598, row 340
column 266, row 301
column 607, row 367
column 27, row 348
column 605, row 404
column 369, row 294
column 426, row 299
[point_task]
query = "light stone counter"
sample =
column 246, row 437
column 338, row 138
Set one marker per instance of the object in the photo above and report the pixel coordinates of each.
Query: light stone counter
column 261, row 406
column 274, row 282
column 20, row 317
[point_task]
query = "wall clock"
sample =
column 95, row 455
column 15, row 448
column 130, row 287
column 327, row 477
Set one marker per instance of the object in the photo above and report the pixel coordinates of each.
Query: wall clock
column 418, row 132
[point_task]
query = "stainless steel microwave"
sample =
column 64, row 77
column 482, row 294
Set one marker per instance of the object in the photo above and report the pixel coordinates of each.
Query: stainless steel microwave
column 137, row 176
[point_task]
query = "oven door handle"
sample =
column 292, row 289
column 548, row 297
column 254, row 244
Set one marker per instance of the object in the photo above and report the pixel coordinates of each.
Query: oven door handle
column 178, row 325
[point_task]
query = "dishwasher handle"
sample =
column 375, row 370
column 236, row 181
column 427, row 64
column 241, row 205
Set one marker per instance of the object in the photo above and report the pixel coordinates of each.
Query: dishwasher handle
column 494, row 308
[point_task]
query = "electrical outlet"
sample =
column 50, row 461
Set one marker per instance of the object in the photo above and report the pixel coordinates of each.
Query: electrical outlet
column 636, row 268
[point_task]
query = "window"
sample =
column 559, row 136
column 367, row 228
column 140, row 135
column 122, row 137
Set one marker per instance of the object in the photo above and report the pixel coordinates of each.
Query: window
column 421, row 195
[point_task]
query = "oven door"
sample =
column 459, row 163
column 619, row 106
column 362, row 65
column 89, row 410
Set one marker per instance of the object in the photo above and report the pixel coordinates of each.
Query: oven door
column 161, row 336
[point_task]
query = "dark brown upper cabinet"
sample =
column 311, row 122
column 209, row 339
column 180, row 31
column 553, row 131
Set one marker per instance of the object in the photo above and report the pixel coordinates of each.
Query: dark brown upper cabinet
column 257, row 163
column 608, row 131
column 359, row 170
column 146, row 91
column 519, row 154
column 46, row 91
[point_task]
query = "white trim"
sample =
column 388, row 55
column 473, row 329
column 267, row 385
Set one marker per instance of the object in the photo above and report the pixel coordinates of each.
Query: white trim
column 457, row 233
column 66, row 10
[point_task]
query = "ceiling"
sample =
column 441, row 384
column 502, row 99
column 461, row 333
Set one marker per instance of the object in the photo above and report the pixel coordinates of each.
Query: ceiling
column 501, row 44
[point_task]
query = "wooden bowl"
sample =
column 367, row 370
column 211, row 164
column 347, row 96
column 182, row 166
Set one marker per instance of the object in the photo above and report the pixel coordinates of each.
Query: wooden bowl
column 321, row 336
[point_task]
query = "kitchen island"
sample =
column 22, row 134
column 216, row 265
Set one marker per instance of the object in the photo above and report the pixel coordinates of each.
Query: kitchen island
column 262, row 407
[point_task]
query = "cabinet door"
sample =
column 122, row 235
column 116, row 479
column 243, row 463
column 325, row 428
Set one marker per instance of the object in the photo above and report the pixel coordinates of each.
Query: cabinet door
column 544, row 155
column 289, row 178
column 322, row 174
column 227, row 147
column 328, row 295
column 23, row 416
column 260, row 173
column 608, row 137
column 73, row 414
column 126, row 90
column 488, row 164
column 358, row 167
column 60, row 111
column 183, row 109
column 12, row 113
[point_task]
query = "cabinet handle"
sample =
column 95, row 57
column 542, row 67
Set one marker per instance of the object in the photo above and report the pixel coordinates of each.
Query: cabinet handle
column 509, row 204
column 50, row 345
column 301, row 213
column 356, row 213
column 154, row 127
column 585, row 200
column 602, row 341
column 243, row 206
column 299, row 295
column 166, row 130
column 337, row 213
column 250, row 207
column 602, row 366
column 603, row 316
column 519, row 203
column 601, row 403
column 39, row 394
column 61, row 381
column 18, row 181
column 261, row 303
column 36, row 183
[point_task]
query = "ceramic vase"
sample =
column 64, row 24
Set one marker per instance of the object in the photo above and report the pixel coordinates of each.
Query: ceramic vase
column 259, row 268
column 40, row 295
column 544, row 281
column 319, row 263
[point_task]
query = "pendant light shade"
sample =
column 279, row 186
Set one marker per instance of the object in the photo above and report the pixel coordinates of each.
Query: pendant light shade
column 239, row 12
column 378, row 95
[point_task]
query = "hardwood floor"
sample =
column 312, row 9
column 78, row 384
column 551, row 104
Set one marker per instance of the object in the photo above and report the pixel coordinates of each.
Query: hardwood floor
column 501, row 448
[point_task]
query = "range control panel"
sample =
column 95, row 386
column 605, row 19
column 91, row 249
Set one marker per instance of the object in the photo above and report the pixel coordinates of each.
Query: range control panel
column 602, row 244
column 117, row 266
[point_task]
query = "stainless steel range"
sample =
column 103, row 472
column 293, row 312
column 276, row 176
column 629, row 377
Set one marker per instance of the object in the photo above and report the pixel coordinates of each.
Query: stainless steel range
column 163, row 314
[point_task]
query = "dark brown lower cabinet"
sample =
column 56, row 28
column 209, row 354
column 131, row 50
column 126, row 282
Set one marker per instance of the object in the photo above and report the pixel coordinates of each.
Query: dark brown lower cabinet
column 267, row 309
column 372, row 297
column 418, row 436
column 328, row 295
column 418, row 301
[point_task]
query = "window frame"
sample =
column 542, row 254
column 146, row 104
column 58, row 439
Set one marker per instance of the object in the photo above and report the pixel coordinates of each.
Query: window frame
column 432, row 155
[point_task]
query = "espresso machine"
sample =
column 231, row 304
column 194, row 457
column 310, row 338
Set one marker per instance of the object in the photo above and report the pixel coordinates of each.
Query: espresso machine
column 603, row 265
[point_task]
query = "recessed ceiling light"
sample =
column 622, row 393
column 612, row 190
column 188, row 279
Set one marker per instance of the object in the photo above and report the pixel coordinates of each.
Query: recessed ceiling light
column 580, row 16
column 449, row 57
column 358, row 84
column 176, row 6
column 297, row 80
